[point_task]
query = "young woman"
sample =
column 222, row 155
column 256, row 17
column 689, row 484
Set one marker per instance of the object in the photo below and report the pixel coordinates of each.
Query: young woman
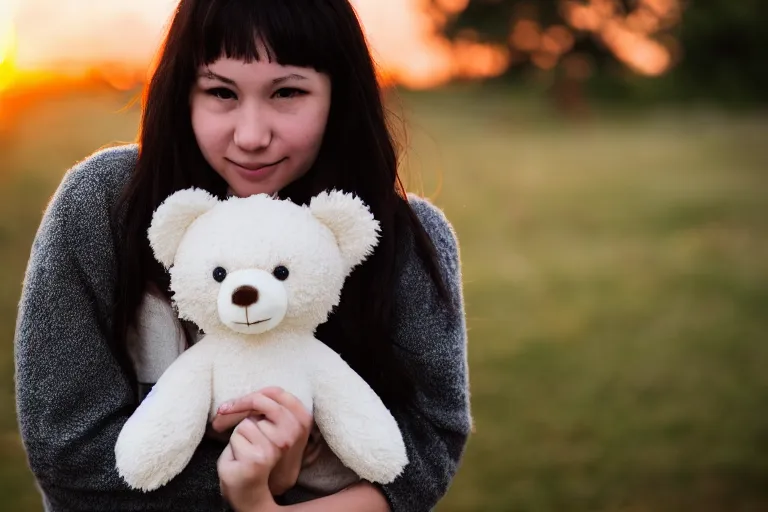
column 248, row 96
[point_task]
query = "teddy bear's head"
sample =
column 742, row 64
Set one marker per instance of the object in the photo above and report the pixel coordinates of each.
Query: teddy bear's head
column 251, row 264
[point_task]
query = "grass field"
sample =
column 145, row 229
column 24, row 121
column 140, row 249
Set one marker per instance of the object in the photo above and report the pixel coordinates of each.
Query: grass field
column 616, row 280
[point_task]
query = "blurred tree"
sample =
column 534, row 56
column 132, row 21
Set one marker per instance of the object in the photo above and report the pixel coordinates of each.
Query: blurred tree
column 642, row 49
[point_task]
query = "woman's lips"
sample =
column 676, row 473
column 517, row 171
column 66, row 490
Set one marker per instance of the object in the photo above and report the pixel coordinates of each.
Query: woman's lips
column 252, row 171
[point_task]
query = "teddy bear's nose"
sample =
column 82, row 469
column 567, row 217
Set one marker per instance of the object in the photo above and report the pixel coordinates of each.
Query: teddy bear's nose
column 245, row 296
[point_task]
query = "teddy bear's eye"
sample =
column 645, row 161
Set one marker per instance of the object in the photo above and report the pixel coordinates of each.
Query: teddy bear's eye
column 281, row 273
column 219, row 274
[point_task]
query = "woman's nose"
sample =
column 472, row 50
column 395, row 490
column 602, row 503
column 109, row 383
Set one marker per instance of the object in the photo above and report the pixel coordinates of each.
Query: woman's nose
column 252, row 131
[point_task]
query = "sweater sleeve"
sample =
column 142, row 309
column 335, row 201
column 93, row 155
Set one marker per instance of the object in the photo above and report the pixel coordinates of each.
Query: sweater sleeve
column 432, row 339
column 71, row 396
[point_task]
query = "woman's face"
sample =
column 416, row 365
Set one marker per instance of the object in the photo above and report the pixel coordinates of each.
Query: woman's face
column 259, row 124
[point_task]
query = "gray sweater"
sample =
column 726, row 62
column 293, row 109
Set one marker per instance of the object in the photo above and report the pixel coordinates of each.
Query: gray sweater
column 72, row 398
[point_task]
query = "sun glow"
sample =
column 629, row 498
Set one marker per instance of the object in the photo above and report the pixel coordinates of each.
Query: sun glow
column 629, row 36
column 115, row 40
column 7, row 48
column 49, row 43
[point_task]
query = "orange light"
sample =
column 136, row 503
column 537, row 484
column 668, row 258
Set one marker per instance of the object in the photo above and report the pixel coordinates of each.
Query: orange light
column 452, row 6
column 630, row 37
column 643, row 21
column 559, row 38
column 407, row 45
column 644, row 55
column 526, row 35
column 473, row 60
column 7, row 50
column 581, row 17
column 544, row 60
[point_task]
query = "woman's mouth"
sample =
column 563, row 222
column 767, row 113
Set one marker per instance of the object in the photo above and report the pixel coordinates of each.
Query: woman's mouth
column 255, row 167
column 255, row 172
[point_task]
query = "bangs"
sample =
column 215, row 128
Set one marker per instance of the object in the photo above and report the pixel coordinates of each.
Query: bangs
column 295, row 33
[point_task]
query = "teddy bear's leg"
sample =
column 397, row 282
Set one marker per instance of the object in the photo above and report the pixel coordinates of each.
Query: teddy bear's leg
column 355, row 422
column 159, row 439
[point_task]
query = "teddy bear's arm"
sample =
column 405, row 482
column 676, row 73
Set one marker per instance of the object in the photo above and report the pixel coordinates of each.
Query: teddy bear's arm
column 354, row 421
column 159, row 439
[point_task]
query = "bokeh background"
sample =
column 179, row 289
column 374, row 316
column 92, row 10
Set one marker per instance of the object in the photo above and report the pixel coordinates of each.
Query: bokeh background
column 605, row 166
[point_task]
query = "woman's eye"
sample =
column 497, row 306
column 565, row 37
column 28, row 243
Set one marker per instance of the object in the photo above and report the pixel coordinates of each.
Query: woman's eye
column 222, row 93
column 289, row 92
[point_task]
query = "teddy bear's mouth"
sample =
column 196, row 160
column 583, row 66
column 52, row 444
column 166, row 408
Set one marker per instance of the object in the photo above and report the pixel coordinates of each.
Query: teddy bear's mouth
column 253, row 323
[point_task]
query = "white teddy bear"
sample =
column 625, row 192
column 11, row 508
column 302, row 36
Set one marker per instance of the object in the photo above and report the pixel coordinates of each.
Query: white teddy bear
column 258, row 275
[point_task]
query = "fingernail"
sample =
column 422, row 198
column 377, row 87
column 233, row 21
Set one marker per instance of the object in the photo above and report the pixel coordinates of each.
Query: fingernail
column 225, row 407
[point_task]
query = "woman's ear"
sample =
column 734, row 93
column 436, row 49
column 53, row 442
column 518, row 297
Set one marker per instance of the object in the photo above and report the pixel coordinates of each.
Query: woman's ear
column 350, row 221
column 172, row 219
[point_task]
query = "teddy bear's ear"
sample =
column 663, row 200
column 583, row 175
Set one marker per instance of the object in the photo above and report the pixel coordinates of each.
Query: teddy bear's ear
column 350, row 221
column 172, row 218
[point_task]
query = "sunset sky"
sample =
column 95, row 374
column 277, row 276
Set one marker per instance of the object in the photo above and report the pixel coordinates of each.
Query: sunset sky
column 51, row 31
column 74, row 36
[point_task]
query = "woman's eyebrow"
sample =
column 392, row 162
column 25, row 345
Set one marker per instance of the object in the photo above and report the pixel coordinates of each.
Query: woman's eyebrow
column 292, row 76
column 213, row 76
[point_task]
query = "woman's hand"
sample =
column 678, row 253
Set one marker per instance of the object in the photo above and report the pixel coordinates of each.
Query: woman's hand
column 287, row 427
column 245, row 465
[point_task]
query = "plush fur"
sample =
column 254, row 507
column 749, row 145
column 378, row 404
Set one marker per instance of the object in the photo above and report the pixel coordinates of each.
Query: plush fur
column 216, row 249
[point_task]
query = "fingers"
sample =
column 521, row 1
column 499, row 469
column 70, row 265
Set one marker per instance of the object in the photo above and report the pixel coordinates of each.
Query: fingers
column 227, row 454
column 255, row 402
column 290, row 402
column 249, row 444
column 222, row 437
column 225, row 422
column 284, row 435
column 280, row 427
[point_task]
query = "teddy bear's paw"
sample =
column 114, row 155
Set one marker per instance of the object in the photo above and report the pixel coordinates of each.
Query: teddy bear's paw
column 385, row 467
column 147, row 469
column 144, row 481
column 138, row 475
column 380, row 460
